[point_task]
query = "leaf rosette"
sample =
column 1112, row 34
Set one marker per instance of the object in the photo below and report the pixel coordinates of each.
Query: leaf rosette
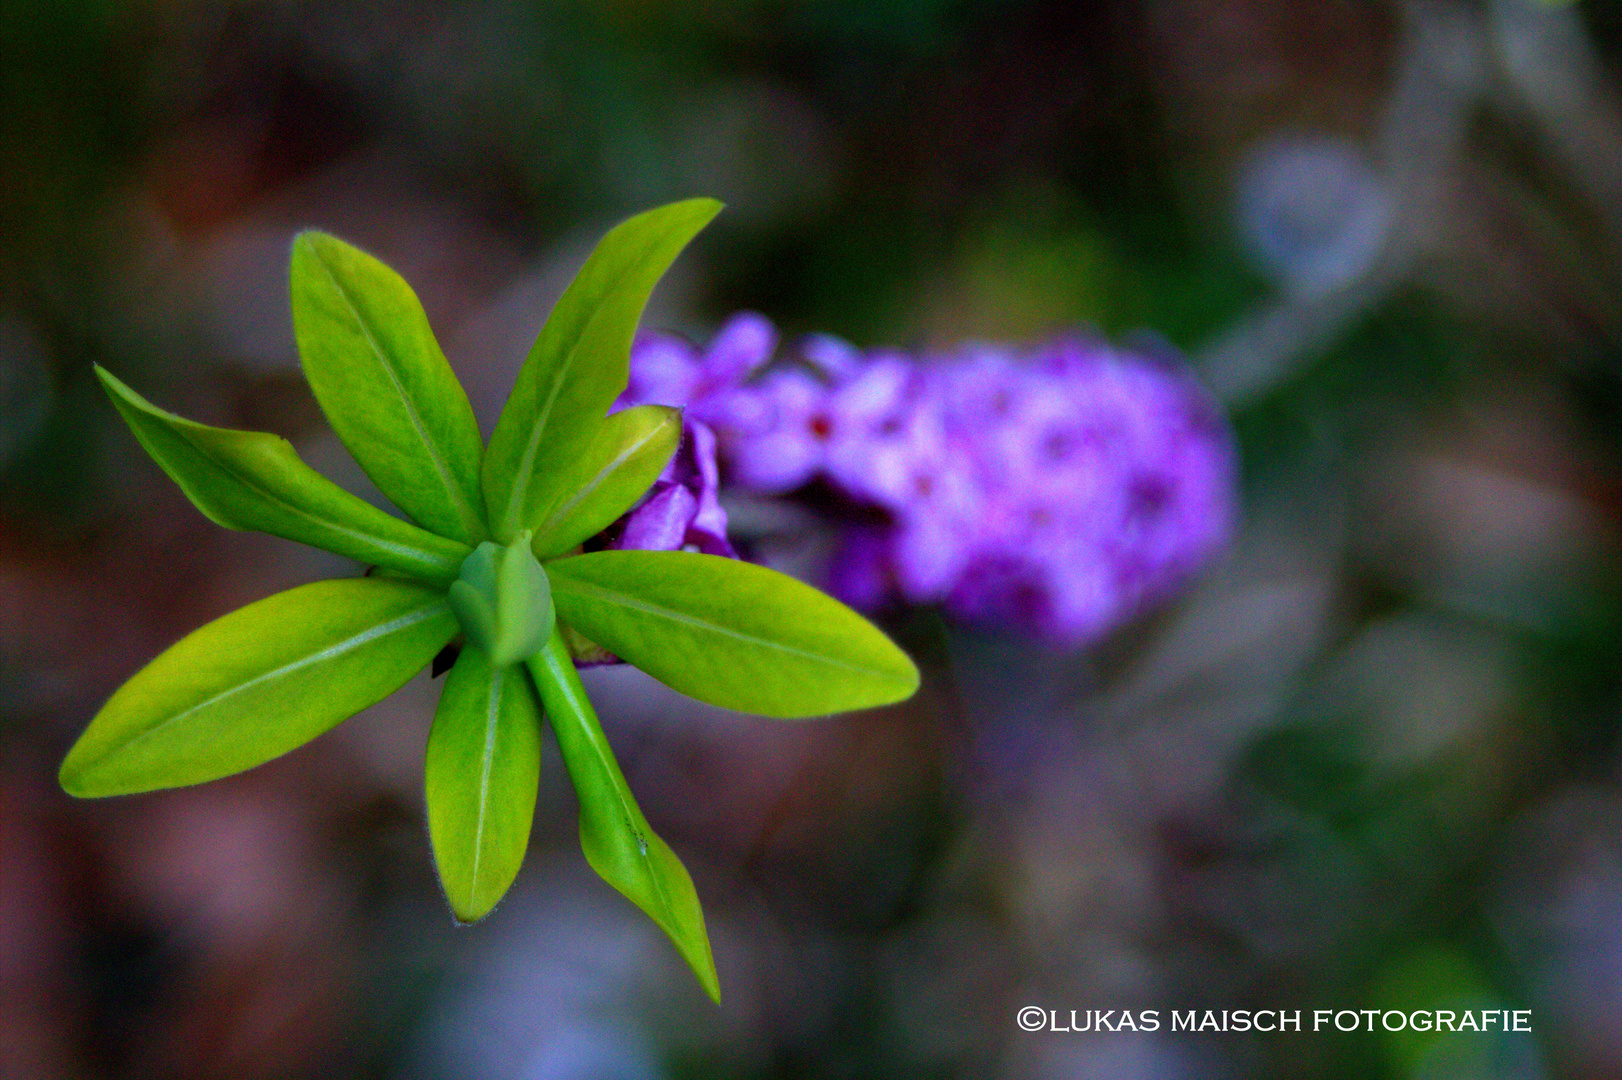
column 490, row 557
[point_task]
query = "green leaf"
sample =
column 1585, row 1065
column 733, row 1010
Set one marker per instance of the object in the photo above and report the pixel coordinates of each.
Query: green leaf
column 625, row 456
column 483, row 768
column 385, row 386
column 615, row 836
column 503, row 602
column 580, row 363
column 731, row 633
column 257, row 683
column 252, row 480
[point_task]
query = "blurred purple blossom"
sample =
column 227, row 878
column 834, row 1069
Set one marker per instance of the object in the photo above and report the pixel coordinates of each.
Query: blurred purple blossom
column 1057, row 488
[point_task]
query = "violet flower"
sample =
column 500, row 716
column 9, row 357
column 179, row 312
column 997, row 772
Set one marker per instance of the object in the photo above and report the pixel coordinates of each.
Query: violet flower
column 1057, row 489
column 683, row 510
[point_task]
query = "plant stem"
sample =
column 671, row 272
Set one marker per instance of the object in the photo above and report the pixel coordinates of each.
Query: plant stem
column 614, row 835
column 586, row 753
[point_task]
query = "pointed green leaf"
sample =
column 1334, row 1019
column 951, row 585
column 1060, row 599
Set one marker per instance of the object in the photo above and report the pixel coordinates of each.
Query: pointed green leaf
column 257, row 683
column 625, row 456
column 385, row 385
column 580, row 363
column 253, row 480
column 483, row 768
column 615, row 836
column 731, row 633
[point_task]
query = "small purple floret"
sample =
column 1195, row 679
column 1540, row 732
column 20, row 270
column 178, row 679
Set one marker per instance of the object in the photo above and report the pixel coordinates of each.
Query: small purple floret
column 683, row 509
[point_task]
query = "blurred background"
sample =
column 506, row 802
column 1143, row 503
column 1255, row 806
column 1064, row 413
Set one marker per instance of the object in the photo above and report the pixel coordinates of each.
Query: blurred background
column 1368, row 760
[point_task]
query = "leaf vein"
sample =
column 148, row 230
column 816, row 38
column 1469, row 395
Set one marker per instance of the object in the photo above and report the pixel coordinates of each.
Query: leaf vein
column 355, row 641
column 491, row 721
column 611, row 596
column 251, row 483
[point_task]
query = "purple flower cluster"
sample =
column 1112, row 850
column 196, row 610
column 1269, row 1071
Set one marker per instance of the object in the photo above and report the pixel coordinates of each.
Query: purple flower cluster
column 1057, row 488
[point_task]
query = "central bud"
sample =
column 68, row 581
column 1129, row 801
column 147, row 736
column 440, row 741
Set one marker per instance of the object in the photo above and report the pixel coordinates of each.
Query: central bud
column 503, row 601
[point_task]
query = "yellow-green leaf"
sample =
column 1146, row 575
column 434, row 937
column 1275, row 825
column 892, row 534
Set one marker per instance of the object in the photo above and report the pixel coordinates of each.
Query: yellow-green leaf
column 482, row 771
column 731, row 633
column 256, row 683
column 616, row 838
column 580, row 363
column 385, row 386
column 617, row 467
column 253, row 480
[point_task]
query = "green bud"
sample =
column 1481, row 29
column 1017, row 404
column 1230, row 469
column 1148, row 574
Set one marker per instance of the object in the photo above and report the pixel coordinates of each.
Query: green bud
column 503, row 601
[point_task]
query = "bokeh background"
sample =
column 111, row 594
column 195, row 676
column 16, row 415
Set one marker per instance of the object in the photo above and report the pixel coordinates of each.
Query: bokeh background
column 1368, row 759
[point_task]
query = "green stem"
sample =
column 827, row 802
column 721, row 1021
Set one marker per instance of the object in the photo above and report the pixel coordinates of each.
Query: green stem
column 586, row 753
column 613, row 833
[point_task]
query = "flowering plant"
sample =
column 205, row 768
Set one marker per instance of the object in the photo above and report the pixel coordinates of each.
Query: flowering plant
column 494, row 555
